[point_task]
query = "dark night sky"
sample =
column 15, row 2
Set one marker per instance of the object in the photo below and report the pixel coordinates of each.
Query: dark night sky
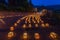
column 44, row 2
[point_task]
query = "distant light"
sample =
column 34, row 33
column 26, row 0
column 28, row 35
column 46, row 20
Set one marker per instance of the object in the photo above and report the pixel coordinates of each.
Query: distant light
column 26, row 18
column 44, row 11
column 25, row 35
column 37, row 36
column 43, row 25
column 2, row 21
column 36, row 25
column 23, row 18
column 11, row 28
column 18, row 21
column 15, row 24
column 24, row 26
column 37, row 17
column 38, row 21
column 47, row 25
column 10, row 35
column 33, row 21
column 3, row 17
column 29, row 21
column 53, row 35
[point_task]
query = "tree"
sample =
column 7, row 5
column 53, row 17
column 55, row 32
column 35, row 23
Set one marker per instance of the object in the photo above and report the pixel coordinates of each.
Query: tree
column 2, row 5
column 16, row 5
column 21, row 5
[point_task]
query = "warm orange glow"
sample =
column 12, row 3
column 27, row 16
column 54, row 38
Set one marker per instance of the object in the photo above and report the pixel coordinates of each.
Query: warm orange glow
column 44, row 11
column 43, row 25
column 23, row 18
column 29, row 21
column 18, row 21
column 11, row 28
column 25, row 36
column 37, row 36
column 38, row 21
column 15, row 24
column 53, row 35
column 10, row 34
column 2, row 16
column 36, row 17
column 26, row 18
column 34, row 21
column 1, row 20
column 36, row 25
column 47, row 25
column 24, row 26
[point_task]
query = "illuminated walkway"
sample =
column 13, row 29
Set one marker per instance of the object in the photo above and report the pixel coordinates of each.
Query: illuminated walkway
column 29, row 27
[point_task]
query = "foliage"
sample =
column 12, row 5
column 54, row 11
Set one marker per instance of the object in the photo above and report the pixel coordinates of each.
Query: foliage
column 16, row 5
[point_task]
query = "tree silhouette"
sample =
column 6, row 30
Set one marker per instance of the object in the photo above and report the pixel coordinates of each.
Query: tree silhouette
column 16, row 5
column 2, row 5
column 19, row 5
